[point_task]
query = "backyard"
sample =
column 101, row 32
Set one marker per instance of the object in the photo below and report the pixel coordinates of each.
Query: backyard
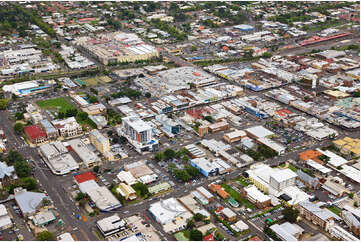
column 238, row 197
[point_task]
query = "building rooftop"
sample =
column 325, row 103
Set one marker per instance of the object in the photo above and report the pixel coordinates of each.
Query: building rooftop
column 167, row 210
column 104, row 199
column 34, row 131
column 259, row 131
column 86, row 176
column 28, row 201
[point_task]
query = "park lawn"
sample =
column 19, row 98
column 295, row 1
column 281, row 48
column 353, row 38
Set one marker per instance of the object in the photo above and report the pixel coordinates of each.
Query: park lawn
column 59, row 104
column 238, row 197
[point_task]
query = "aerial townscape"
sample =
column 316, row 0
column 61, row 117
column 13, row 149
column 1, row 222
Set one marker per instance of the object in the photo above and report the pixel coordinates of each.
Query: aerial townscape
column 180, row 121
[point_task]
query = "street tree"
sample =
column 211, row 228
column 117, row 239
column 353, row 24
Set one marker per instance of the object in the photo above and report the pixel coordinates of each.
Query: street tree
column 19, row 128
column 45, row 236
column 169, row 153
column 196, row 235
column 290, row 214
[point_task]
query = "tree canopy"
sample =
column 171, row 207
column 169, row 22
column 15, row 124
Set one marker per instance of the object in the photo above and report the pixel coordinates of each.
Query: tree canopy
column 45, row 236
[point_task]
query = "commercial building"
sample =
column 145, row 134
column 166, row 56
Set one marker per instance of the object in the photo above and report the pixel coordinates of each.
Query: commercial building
column 257, row 197
column 278, row 148
column 94, row 109
column 104, row 199
column 348, row 145
column 219, row 126
column 229, row 214
column 35, row 134
column 111, row 225
column 168, row 125
column 5, row 220
column 65, row 237
column 205, row 193
column 219, row 190
column 100, row 142
column 164, row 186
column 115, row 47
column 193, row 206
column 43, row 218
column 287, row 231
column 234, row 136
column 7, row 174
column 258, row 132
column 205, row 166
column 126, row 191
column 317, row 215
column 28, row 202
column 68, row 127
column 170, row 214
column 126, row 177
column 138, row 169
column 139, row 134
column 57, row 158
column 341, row 234
column 99, row 120
column 50, row 130
column 88, row 157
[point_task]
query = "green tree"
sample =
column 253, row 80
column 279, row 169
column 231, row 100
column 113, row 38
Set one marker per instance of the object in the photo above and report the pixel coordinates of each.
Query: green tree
column 19, row 128
column 190, row 224
column 194, row 48
column 71, row 112
column 14, row 156
column 29, row 183
column 3, row 103
column 19, row 116
column 45, row 236
column 209, row 119
column 79, row 196
column 169, row 153
column 94, row 91
column 93, row 99
column 96, row 169
column 82, row 116
column 22, row 168
column 192, row 171
column 195, row 235
column 355, row 204
column 266, row 55
column 61, row 115
column 351, row 195
column 147, row 95
column 290, row 214
column 181, row 175
column 159, row 156
column 141, row 188
column 198, row 217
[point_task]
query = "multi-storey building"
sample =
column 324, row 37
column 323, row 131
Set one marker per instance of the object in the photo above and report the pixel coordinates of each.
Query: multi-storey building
column 138, row 133
column 68, row 127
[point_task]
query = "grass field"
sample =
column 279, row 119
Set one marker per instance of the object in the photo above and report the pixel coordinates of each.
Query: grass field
column 180, row 236
column 59, row 104
column 96, row 80
column 238, row 197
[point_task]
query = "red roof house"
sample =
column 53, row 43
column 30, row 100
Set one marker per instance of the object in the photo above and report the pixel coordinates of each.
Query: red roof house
column 86, row 176
column 35, row 134
column 208, row 237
